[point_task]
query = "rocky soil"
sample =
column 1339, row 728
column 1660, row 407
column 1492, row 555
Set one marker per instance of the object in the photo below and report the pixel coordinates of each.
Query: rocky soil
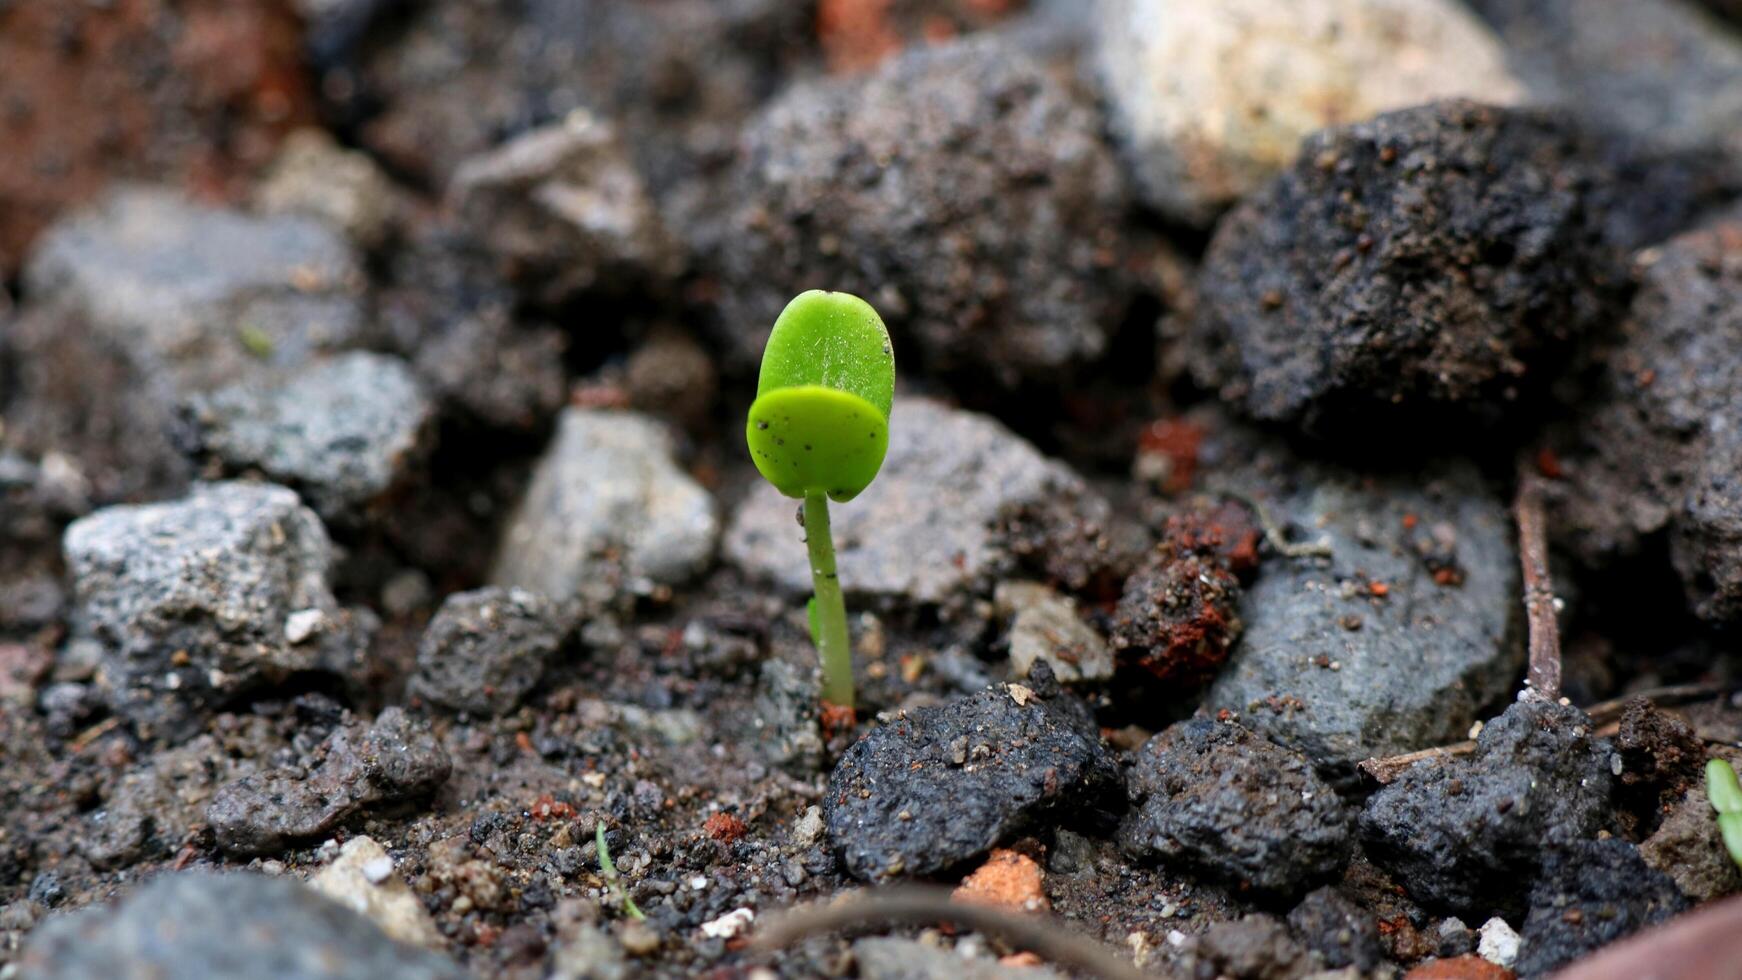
column 378, row 542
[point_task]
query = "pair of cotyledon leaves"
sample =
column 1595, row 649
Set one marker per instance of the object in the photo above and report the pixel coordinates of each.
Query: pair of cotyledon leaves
column 820, row 422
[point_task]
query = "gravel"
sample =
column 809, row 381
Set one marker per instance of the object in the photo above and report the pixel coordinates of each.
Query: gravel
column 608, row 509
column 1214, row 796
column 485, row 650
column 345, row 432
column 203, row 926
column 939, row 786
column 192, row 601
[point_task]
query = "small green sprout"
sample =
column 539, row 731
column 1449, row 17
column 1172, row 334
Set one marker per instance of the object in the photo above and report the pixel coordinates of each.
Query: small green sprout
column 1726, row 796
column 609, row 871
column 818, row 431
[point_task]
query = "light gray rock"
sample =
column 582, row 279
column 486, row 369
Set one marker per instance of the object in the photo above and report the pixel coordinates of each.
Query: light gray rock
column 203, row 926
column 1046, row 626
column 926, row 531
column 1398, row 640
column 344, row 432
column 784, row 724
column 1209, row 100
column 192, row 600
column 890, row 958
column 486, row 649
column 146, row 298
column 313, row 175
column 564, row 207
column 608, row 509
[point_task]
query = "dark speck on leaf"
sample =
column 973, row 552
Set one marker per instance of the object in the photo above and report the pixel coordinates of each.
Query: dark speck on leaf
column 807, row 447
column 762, row 425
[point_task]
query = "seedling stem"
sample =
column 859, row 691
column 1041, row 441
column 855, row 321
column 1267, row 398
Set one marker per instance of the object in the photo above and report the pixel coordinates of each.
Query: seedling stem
column 831, row 610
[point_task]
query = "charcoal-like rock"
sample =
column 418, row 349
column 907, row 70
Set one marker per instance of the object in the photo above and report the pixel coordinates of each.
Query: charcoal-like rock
column 1461, row 834
column 1660, row 449
column 358, row 767
column 563, row 207
column 1589, row 894
column 938, row 786
column 963, row 190
column 1344, row 933
column 486, row 649
column 1425, row 267
column 1214, row 796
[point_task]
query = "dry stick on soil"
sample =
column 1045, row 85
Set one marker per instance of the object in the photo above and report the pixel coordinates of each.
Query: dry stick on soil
column 1603, row 714
column 1539, row 600
column 919, row 906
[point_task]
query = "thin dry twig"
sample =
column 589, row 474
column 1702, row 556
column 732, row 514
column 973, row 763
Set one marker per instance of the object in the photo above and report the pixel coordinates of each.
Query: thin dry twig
column 916, row 905
column 1279, row 542
column 1539, row 599
column 1603, row 714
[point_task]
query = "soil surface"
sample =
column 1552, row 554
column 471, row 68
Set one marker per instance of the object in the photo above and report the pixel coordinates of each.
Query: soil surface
column 385, row 587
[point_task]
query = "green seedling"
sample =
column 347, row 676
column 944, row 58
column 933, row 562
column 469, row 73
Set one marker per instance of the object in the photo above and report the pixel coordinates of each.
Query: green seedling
column 818, row 431
column 1726, row 796
column 609, row 871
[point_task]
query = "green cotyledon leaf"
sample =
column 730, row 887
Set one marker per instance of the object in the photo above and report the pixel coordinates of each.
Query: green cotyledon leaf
column 820, row 422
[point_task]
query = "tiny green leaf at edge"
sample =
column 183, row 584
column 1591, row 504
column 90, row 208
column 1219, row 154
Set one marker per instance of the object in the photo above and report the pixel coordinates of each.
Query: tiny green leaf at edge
column 609, row 870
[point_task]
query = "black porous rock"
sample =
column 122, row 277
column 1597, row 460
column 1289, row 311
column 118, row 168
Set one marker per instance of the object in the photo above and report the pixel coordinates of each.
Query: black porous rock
column 1339, row 930
column 963, row 190
column 941, row 785
column 1429, row 264
column 1660, row 450
column 486, row 649
column 203, row 926
column 1214, row 796
column 359, row 766
column 1461, row 834
column 1588, row 895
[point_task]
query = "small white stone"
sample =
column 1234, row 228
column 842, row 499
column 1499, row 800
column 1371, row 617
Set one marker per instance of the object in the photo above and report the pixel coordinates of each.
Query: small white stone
column 809, row 828
column 377, row 869
column 698, row 883
column 1499, row 944
column 299, row 626
column 731, row 924
column 1176, row 938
